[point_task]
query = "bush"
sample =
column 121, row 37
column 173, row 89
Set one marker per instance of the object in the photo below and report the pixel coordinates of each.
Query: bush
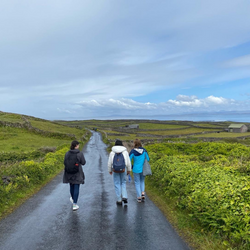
column 210, row 181
column 17, row 178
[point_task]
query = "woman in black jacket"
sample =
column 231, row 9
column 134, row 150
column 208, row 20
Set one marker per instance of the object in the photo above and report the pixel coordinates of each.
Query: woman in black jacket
column 74, row 177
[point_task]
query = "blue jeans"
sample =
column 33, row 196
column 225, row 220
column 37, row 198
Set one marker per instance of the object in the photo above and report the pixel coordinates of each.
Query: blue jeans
column 120, row 185
column 74, row 191
column 139, row 180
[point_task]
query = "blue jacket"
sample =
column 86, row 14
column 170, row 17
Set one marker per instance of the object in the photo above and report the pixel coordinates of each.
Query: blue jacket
column 137, row 155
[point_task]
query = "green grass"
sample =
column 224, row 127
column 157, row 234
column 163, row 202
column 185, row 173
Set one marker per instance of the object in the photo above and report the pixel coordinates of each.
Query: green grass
column 53, row 127
column 9, row 117
column 177, row 132
column 186, row 227
column 101, row 124
column 211, row 125
column 224, row 135
column 112, row 132
column 123, row 138
column 22, row 144
column 15, row 139
column 160, row 126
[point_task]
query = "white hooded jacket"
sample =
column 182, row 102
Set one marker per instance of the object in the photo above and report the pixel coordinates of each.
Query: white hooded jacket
column 119, row 149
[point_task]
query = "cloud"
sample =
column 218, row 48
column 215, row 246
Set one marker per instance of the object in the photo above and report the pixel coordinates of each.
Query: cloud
column 195, row 102
column 79, row 54
column 242, row 61
column 182, row 104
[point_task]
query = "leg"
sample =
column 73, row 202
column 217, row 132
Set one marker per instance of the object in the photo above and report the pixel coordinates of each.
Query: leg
column 71, row 190
column 137, row 185
column 117, row 183
column 142, row 182
column 123, row 184
column 76, row 192
column 142, row 185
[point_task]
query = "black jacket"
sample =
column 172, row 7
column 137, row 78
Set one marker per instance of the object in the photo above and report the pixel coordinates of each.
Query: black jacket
column 79, row 177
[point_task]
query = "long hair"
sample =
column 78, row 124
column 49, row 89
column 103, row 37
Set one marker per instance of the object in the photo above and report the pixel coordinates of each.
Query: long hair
column 74, row 144
column 137, row 143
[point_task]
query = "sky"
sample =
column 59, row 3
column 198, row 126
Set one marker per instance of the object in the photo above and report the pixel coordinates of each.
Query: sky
column 108, row 59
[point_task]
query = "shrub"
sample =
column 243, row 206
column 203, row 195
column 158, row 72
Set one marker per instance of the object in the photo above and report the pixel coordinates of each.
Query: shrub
column 210, row 181
column 18, row 177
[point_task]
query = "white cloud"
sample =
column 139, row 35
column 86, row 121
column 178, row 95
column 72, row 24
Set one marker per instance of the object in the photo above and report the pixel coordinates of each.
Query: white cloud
column 182, row 104
column 195, row 102
column 215, row 100
column 242, row 61
column 57, row 53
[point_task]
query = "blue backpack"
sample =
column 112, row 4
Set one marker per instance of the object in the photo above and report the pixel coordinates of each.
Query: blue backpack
column 119, row 163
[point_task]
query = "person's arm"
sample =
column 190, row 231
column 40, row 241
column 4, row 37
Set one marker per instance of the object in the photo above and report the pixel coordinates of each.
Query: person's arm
column 128, row 162
column 110, row 163
column 82, row 160
column 147, row 156
column 131, row 157
column 65, row 159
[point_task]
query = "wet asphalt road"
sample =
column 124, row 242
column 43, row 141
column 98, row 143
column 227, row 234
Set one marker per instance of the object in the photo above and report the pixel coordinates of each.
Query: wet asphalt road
column 46, row 220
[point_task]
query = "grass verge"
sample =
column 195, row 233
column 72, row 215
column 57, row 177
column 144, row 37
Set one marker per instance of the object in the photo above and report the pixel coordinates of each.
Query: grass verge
column 188, row 229
column 19, row 198
column 22, row 180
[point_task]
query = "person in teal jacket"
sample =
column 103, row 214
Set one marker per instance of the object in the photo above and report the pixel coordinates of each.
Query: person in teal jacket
column 137, row 156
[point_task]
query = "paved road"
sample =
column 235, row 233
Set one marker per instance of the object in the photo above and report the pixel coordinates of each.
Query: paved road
column 46, row 221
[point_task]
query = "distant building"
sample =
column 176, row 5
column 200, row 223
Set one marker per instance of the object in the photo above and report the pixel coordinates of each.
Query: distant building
column 133, row 126
column 237, row 128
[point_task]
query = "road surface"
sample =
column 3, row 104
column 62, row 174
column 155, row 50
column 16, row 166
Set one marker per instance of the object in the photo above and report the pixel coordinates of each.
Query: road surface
column 47, row 221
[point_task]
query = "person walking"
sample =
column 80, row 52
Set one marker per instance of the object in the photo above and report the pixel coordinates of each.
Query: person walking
column 137, row 156
column 73, row 172
column 119, row 158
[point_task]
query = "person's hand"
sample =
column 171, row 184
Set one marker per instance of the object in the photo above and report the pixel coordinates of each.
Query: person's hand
column 110, row 173
column 128, row 172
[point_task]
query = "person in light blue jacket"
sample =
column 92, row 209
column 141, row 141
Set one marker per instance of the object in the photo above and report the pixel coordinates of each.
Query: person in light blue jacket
column 137, row 156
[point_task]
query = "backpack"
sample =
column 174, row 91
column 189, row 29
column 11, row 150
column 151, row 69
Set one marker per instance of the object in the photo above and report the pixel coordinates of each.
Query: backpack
column 118, row 163
column 71, row 163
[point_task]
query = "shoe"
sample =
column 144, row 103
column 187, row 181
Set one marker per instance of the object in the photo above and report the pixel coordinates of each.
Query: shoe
column 71, row 200
column 143, row 197
column 119, row 203
column 139, row 200
column 75, row 207
column 125, row 200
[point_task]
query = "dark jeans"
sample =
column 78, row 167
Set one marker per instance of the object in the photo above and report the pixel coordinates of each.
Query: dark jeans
column 74, row 191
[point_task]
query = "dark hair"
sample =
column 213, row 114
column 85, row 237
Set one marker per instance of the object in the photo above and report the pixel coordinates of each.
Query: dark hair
column 137, row 143
column 118, row 143
column 74, row 144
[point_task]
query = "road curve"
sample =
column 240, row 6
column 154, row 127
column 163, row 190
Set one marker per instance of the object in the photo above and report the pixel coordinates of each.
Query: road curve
column 46, row 220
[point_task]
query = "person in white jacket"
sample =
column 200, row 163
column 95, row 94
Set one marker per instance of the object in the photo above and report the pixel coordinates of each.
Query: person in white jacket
column 120, row 178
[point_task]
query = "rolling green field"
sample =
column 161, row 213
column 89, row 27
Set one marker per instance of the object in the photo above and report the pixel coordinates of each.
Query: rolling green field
column 152, row 129
column 7, row 117
column 14, row 139
column 54, row 127
column 186, row 131
column 23, row 139
column 31, row 154
column 155, row 126
column 224, row 135
column 221, row 169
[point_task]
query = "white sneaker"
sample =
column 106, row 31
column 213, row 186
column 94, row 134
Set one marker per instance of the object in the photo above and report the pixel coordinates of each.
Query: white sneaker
column 71, row 200
column 75, row 207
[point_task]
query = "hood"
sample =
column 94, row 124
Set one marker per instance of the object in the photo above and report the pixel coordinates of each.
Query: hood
column 118, row 149
column 137, row 151
column 74, row 151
